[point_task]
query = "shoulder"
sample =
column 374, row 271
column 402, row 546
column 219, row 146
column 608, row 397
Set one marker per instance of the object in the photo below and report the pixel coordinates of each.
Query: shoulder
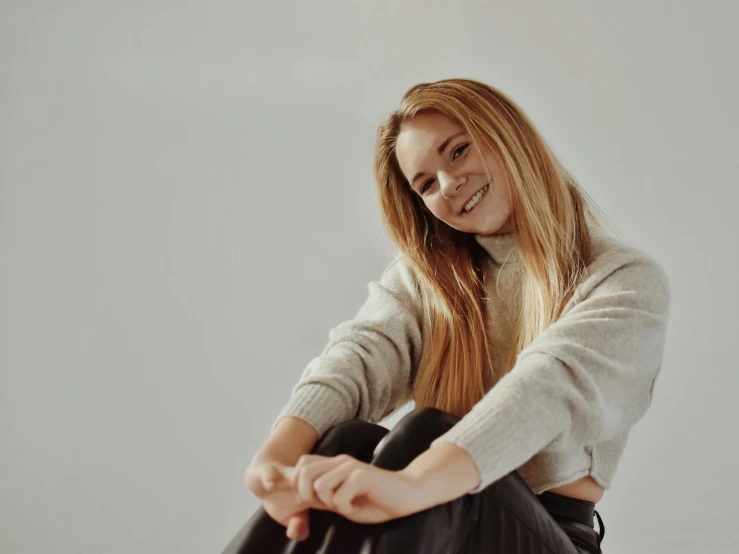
column 399, row 271
column 399, row 279
column 618, row 266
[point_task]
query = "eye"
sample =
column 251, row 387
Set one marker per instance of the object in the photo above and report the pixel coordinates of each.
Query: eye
column 426, row 185
column 459, row 150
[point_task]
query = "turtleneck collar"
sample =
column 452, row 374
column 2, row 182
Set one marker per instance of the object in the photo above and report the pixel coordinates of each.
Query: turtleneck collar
column 500, row 247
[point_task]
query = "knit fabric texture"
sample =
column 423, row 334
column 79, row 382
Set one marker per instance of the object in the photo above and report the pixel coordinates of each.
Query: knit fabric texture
column 565, row 409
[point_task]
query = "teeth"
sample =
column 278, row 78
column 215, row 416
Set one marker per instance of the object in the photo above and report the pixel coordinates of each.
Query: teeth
column 475, row 199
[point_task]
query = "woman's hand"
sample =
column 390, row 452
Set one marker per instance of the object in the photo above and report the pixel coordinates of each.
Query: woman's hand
column 358, row 491
column 265, row 478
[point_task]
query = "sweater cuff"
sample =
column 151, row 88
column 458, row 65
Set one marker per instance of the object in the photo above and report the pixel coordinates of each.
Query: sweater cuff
column 319, row 405
column 497, row 436
column 489, row 456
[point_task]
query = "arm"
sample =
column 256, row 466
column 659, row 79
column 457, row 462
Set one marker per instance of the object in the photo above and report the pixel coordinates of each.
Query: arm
column 290, row 439
column 444, row 472
column 585, row 379
column 365, row 369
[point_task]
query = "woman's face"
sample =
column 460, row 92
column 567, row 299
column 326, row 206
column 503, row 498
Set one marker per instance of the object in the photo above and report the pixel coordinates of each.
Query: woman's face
column 443, row 167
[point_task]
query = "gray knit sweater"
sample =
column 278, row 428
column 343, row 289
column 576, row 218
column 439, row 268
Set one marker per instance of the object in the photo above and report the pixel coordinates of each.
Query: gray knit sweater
column 565, row 409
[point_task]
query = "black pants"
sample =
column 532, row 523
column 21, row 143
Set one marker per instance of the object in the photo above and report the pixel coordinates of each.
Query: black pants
column 506, row 517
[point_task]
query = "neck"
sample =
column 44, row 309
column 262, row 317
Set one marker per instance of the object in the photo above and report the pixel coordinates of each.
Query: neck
column 500, row 247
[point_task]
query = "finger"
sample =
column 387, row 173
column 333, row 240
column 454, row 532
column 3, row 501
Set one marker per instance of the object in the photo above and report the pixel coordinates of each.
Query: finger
column 325, row 486
column 270, row 477
column 303, row 525
column 251, row 479
column 305, row 478
column 285, row 475
column 299, row 465
column 309, row 459
column 256, row 480
column 355, row 485
column 297, row 526
column 293, row 528
column 312, row 469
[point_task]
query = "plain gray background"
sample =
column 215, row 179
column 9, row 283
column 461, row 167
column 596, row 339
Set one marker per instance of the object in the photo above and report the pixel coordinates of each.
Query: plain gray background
column 188, row 206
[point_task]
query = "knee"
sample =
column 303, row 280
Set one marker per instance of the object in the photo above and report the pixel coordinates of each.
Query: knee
column 426, row 422
column 411, row 436
column 354, row 437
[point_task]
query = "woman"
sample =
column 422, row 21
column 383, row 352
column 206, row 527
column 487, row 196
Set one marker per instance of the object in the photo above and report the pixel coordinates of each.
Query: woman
column 529, row 339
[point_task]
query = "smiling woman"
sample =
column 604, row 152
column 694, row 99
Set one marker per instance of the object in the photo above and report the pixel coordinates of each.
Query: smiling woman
column 529, row 339
column 465, row 188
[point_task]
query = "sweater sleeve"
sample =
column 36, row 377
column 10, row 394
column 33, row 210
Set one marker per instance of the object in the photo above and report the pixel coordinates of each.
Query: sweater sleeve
column 584, row 380
column 365, row 369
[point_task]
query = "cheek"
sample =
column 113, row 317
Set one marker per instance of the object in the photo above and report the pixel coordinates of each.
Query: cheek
column 493, row 165
column 434, row 210
column 502, row 193
column 506, row 192
column 439, row 207
column 477, row 166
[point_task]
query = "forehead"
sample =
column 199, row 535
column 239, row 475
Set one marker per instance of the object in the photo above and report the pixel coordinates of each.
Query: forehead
column 419, row 138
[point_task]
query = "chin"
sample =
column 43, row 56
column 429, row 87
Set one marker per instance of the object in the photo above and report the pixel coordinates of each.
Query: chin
column 488, row 225
column 489, row 228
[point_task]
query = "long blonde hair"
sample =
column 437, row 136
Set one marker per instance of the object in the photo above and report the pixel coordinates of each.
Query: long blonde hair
column 551, row 215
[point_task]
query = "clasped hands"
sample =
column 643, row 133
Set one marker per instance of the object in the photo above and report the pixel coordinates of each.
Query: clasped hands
column 360, row 492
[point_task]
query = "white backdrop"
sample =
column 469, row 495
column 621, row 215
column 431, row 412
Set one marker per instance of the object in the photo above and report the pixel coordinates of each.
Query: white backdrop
column 187, row 207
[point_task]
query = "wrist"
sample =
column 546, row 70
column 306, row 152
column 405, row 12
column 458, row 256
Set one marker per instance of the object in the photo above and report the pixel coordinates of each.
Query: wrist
column 291, row 438
column 446, row 470
column 274, row 452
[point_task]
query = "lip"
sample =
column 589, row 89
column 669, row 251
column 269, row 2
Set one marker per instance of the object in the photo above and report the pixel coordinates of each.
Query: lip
column 461, row 211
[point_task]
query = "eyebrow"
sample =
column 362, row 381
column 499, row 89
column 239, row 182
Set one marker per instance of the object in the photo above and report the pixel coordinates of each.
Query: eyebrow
column 440, row 150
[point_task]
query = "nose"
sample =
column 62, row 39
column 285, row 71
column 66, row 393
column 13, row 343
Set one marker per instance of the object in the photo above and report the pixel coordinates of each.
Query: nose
column 449, row 183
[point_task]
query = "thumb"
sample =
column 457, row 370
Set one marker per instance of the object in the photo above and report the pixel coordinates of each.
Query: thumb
column 297, row 526
column 271, row 477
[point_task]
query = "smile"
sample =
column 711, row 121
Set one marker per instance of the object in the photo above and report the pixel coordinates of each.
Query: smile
column 475, row 200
